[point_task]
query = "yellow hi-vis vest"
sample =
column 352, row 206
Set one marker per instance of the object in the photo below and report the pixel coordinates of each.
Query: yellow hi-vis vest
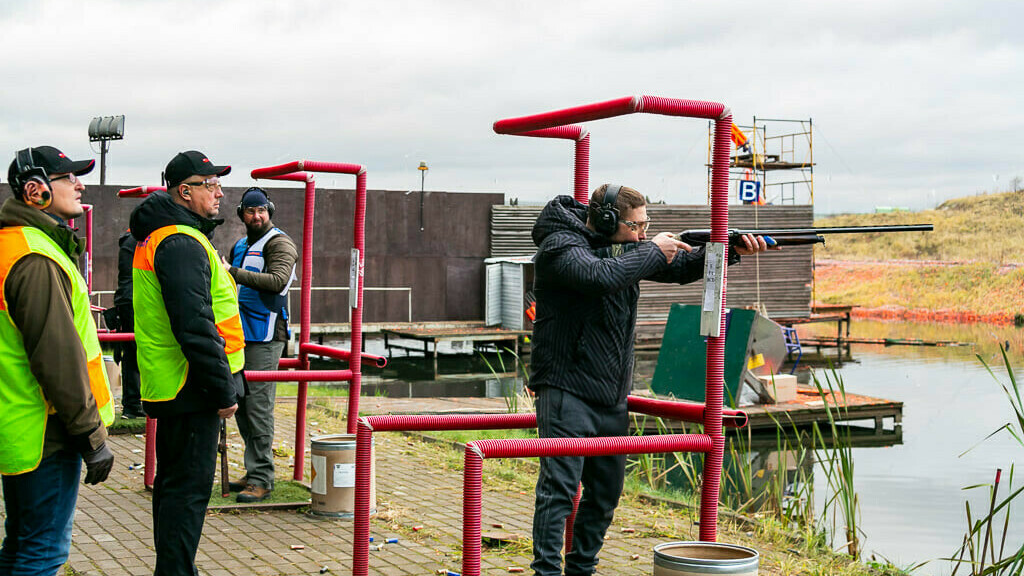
column 162, row 365
column 25, row 408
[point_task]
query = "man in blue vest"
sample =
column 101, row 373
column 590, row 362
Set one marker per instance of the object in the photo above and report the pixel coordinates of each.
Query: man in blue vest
column 263, row 265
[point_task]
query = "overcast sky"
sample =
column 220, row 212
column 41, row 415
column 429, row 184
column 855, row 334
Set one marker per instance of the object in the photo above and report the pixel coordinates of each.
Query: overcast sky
column 913, row 102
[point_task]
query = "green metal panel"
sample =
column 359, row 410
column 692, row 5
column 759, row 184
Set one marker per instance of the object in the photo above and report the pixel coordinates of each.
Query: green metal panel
column 680, row 371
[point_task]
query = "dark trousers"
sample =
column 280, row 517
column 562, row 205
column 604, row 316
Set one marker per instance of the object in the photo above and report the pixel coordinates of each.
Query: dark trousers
column 131, row 396
column 186, row 457
column 40, row 509
column 563, row 415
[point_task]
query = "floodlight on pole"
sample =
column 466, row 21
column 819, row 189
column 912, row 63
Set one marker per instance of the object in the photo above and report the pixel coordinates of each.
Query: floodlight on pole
column 423, row 178
column 103, row 129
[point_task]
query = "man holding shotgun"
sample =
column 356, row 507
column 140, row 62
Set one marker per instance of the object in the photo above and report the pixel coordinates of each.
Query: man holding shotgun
column 588, row 268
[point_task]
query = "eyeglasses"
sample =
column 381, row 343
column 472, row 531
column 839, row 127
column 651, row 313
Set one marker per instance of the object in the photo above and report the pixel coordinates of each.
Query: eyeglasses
column 634, row 226
column 212, row 184
column 69, row 177
column 253, row 210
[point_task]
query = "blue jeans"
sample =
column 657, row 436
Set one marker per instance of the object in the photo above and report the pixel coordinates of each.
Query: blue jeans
column 40, row 508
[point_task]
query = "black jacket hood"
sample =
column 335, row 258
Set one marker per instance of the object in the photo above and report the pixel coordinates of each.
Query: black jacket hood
column 565, row 214
column 159, row 210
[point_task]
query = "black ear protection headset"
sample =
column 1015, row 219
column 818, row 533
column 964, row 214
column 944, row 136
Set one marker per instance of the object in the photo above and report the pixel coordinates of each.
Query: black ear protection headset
column 26, row 171
column 606, row 215
column 239, row 210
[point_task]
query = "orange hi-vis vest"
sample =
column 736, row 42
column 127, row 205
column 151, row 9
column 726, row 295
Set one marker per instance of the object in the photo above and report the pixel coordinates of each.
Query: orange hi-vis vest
column 25, row 408
column 162, row 365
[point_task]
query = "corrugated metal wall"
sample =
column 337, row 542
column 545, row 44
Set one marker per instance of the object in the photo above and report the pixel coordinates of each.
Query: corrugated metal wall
column 781, row 280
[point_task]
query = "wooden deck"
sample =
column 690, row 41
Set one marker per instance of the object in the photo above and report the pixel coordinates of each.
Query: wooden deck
column 478, row 336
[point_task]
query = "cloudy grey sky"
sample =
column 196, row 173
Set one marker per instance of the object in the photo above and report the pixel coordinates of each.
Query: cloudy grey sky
column 913, row 101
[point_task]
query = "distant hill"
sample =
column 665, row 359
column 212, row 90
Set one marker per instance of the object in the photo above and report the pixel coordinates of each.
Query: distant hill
column 987, row 228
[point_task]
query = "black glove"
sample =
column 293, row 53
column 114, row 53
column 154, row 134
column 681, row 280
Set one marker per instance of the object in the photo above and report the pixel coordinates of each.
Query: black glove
column 98, row 463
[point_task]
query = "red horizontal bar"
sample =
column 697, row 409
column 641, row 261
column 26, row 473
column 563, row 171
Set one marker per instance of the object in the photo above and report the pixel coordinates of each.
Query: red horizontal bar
column 116, row 336
column 298, row 375
column 385, row 423
column 685, row 411
column 574, row 115
column 339, row 354
column 308, row 165
column 286, row 363
column 600, row 446
column 140, row 191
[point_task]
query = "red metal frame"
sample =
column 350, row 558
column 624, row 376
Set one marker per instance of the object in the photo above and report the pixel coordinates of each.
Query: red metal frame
column 581, row 172
column 715, row 362
column 301, row 171
column 684, row 411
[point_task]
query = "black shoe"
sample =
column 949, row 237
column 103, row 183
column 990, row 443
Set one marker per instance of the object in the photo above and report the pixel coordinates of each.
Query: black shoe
column 253, row 493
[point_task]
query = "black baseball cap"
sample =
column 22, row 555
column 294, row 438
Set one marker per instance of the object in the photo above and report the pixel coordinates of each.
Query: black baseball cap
column 191, row 163
column 51, row 160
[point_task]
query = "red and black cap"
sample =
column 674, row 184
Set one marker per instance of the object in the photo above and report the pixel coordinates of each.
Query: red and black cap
column 48, row 158
column 191, row 163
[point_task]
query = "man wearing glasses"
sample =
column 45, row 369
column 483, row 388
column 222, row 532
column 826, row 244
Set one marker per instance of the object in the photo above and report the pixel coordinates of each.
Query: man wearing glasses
column 190, row 348
column 263, row 264
column 56, row 401
column 587, row 273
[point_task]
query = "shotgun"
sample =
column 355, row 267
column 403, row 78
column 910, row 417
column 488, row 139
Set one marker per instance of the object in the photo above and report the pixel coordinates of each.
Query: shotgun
column 796, row 236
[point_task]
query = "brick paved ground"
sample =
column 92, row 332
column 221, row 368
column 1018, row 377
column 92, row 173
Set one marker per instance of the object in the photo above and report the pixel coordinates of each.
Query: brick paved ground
column 113, row 536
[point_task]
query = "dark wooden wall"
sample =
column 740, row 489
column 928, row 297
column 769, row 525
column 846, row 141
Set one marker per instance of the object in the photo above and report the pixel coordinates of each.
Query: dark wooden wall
column 443, row 264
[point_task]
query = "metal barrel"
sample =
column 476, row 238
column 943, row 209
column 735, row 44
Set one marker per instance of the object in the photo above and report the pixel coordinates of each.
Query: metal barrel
column 333, row 476
column 704, row 559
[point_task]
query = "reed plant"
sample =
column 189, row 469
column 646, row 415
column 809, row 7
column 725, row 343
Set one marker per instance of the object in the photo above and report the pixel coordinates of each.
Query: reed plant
column 516, row 398
column 984, row 548
column 837, row 464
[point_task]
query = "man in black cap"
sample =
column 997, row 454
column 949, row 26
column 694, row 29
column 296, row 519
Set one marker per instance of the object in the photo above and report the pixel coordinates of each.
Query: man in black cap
column 190, row 348
column 56, row 398
column 263, row 265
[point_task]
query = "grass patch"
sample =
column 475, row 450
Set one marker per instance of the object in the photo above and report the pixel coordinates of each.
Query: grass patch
column 312, row 390
column 463, row 436
column 285, row 491
column 132, row 426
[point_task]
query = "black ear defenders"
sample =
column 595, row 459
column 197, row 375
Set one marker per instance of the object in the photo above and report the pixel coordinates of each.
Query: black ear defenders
column 239, row 210
column 606, row 215
column 26, row 171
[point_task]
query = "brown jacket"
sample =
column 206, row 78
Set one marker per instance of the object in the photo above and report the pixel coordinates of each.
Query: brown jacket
column 38, row 294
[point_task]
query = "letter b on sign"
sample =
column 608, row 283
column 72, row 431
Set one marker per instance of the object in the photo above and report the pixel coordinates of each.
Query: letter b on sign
column 749, row 190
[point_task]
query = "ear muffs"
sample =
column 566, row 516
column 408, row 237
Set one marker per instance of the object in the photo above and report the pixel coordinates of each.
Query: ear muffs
column 239, row 210
column 606, row 216
column 26, row 171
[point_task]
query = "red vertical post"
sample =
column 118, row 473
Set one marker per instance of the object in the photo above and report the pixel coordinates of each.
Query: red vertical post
column 356, row 326
column 149, row 469
column 581, row 181
column 472, row 500
column 715, row 374
column 307, row 283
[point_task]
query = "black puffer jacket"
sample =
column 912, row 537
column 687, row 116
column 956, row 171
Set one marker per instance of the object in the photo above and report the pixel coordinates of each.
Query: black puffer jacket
column 586, row 304
column 183, row 270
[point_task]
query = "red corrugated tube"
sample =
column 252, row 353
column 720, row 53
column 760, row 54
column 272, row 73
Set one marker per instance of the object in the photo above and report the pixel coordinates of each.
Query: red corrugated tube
column 140, row 191
column 684, row 411
column 298, row 375
column 715, row 374
column 116, row 336
column 338, row 354
column 477, row 450
column 366, row 426
column 356, row 327
column 579, row 134
column 719, row 223
column 299, row 171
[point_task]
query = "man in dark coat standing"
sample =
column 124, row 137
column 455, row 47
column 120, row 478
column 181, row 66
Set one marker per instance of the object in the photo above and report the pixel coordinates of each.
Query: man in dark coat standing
column 588, row 268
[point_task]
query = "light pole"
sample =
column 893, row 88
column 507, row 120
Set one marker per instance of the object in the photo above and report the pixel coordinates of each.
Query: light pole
column 423, row 178
column 103, row 129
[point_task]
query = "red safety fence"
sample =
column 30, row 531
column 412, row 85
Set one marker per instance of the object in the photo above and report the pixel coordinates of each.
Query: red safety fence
column 684, row 411
column 715, row 363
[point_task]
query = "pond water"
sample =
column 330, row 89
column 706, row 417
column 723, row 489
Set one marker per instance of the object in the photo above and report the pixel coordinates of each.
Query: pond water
column 911, row 491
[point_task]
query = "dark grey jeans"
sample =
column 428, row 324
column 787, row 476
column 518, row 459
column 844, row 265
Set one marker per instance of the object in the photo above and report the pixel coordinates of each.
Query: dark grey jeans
column 255, row 414
column 563, row 415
